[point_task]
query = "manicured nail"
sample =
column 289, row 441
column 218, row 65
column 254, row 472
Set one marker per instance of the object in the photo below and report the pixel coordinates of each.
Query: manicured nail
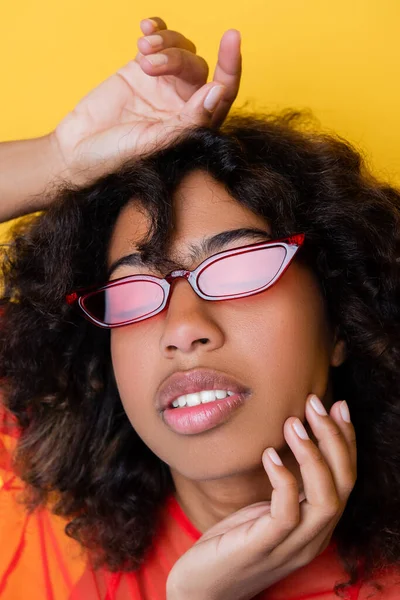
column 157, row 59
column 213, row 97
column 274, row 456
column 299, row 429
column 150, row 21
column 154, row 40
column 344, row 411
column 318, row 406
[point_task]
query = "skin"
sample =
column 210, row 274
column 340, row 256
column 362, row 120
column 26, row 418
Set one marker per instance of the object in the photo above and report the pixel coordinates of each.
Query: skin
column 145, row 104
column 279, row 343
column 141, row 106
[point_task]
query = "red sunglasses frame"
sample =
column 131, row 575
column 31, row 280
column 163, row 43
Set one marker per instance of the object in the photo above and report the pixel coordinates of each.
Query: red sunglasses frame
column 291, row 244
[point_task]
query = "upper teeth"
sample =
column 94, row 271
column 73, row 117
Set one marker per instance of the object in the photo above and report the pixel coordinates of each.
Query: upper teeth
column 201, row 397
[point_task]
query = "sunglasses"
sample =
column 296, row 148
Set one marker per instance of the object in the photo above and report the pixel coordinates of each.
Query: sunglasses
column 227, row 275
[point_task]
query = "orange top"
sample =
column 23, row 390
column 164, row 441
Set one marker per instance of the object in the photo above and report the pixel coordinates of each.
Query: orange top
column 37, row 559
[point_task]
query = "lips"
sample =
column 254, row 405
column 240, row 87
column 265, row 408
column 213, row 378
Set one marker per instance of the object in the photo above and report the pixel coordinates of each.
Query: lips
column 189, row 382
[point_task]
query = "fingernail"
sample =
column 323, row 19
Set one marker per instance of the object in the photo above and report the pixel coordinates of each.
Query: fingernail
column 318, row 406
column 157, row 59
column 154, row 23
column 154, row 40
column 213, row 97
column 299, row 429
column 344, row 411
column 274, row 456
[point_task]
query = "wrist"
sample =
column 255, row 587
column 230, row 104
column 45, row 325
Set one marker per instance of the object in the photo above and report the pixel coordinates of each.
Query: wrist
column 176, row 592
column 58, row 167
column 45, row 173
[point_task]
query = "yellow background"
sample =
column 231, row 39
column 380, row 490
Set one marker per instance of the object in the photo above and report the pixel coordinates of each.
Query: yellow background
column 341, row 58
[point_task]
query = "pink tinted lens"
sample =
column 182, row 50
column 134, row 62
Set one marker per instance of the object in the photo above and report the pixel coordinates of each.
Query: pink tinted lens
column 241, row 273
column 124, row 301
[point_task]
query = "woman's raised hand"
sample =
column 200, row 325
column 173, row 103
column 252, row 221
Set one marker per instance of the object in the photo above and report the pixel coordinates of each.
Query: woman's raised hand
column 148, row 102
column 255, row 547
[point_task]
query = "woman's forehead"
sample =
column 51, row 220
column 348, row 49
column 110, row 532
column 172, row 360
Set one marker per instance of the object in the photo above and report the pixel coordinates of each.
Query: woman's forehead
column 201, row 207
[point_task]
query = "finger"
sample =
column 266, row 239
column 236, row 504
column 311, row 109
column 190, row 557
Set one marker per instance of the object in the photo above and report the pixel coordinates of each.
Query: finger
column 285, row 495
column 192, row 114
column 228, row 72
column 152, row 24
column 237, row 519
column 341, row 415
column 272, row 527
column 319, row 486
column 165, row 39
column 336, row 442
column 199, row 108
column 183, row 64
column 322, row 507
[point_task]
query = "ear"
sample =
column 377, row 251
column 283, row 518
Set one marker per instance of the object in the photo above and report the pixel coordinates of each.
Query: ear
column 339, row 352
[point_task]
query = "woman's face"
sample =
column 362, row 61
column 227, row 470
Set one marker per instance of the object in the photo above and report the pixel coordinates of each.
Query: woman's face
column 277, row 343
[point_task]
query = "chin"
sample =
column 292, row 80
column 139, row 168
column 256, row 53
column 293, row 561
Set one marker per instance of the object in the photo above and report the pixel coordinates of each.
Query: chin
column 216, row 470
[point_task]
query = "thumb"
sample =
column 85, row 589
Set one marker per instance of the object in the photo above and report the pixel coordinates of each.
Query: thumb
column 200, row 107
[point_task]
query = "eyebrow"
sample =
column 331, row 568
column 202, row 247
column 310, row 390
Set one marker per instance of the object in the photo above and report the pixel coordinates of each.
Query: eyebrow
column 206, row 247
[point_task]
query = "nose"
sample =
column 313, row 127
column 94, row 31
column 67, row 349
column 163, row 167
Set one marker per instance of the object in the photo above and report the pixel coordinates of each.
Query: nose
column 188, row 325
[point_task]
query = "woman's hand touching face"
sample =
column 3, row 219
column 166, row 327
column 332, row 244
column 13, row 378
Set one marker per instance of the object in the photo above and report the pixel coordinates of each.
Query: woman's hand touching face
column 257, row 546
column 148, row 102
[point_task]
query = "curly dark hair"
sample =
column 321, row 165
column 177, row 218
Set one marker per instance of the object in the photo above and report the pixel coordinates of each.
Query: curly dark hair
column 55, row 366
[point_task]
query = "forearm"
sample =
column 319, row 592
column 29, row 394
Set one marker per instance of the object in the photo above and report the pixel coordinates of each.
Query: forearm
column 28, row 168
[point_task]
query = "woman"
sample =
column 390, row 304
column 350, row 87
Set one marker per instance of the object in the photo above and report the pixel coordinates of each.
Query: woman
column 253, row 269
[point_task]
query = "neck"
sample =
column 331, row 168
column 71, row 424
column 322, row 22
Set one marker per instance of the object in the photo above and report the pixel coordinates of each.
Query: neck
column 205, row 503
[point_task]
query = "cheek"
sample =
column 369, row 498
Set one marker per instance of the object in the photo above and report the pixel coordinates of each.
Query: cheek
column 132, row 356
column 285, row 339
column 278, row 343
